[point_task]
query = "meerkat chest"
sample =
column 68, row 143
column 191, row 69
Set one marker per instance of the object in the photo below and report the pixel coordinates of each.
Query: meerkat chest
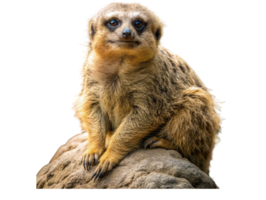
column 116, row 101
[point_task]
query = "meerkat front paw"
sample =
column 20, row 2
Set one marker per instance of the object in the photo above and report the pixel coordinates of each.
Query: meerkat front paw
column 106, row 164
column 90, row 156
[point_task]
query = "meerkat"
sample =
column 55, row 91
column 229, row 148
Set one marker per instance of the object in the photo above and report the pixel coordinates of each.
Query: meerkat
column 135, row 92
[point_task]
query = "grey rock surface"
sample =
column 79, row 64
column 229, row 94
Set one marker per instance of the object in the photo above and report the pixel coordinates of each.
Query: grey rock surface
column 151, row 169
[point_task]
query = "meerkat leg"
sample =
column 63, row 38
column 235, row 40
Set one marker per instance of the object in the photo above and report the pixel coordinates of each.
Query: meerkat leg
column 193, row 128
column 156, row 142
column 126, row 138
column 107, row 139
column 95, row 124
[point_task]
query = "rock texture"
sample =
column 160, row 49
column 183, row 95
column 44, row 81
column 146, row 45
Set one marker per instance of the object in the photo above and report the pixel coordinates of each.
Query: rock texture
column 152, row 168
column 71, row 143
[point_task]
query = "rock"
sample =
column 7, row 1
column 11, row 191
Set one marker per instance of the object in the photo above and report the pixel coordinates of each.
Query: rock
column 143, row 168
column 71, row 143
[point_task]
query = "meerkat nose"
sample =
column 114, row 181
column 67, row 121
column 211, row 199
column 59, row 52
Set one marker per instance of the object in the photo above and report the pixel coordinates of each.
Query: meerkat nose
column 126, row 33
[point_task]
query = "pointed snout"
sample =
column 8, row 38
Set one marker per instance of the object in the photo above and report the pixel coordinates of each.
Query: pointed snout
column 127, row 33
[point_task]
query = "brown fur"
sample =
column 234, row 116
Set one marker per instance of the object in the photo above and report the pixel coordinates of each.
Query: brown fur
column 133, row 92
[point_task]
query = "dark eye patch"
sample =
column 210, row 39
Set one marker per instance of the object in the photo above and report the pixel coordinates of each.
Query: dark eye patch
column 139, row 26
column 113, row 23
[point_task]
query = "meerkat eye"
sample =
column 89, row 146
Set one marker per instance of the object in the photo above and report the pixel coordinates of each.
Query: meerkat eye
column 113, row 23
column 138, row 24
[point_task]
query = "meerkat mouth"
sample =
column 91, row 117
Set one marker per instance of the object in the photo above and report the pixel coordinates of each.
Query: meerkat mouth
column 126, row 42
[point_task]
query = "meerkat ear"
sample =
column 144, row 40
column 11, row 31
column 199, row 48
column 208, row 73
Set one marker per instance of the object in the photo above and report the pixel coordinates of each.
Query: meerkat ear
column 158, row 33
column 92, row 30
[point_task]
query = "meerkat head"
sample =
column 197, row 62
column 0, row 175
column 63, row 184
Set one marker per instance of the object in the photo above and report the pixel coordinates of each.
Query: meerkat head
column 125, row 30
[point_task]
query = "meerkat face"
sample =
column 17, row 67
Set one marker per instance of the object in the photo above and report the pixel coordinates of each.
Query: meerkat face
column 125, row 30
